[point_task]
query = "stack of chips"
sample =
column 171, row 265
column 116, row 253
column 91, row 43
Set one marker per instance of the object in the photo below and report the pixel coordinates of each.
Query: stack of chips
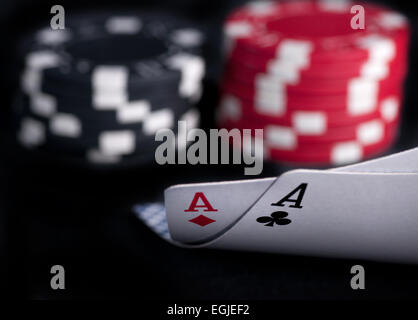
column 100, row 89
column 325, row 91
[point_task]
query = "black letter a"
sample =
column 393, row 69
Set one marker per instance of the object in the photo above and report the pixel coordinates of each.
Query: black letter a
column 301, row 189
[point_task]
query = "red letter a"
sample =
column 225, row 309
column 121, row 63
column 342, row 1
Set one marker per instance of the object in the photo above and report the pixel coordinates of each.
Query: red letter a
column 194, row 205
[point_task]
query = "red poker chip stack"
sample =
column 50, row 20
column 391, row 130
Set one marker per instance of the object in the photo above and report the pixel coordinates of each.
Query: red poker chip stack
column 324, row 92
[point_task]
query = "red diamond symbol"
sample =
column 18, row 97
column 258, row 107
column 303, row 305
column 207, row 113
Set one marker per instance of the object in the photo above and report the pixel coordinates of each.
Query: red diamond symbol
column 202, row 220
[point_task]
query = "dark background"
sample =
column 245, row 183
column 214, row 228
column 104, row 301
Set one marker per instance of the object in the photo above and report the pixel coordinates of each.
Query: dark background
column 53, row 213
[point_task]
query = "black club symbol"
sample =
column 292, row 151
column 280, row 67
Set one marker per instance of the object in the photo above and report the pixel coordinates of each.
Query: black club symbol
column 277, row 217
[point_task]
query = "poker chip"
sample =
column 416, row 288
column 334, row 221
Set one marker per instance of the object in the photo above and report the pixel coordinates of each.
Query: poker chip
column 323, row 92
column 99, row 90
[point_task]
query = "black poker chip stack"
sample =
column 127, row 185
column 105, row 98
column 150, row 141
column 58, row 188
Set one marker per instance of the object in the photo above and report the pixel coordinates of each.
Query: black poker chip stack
column 98, row 91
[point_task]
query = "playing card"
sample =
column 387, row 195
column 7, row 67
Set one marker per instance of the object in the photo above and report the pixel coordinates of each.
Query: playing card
column 366, row 211
column 209, row 209
column 352, row 215
column 402, row 162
